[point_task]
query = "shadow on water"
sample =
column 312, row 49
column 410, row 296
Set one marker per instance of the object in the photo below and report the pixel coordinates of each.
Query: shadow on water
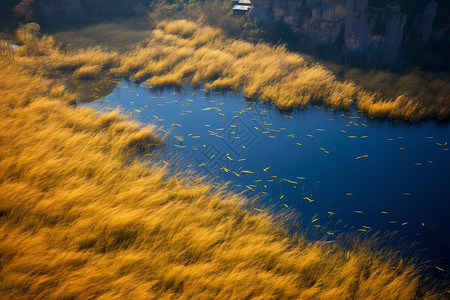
column 331, row 172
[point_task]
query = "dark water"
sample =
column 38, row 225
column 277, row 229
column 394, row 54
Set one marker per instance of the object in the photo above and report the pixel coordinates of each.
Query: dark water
column 338, row 171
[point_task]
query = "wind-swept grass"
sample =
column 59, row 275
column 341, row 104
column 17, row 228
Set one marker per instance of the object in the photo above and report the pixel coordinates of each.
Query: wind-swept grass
column 82, row 216
column 183, row 52
column 416, row 88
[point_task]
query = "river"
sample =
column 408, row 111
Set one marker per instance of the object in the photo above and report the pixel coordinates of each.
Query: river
column 334, row 172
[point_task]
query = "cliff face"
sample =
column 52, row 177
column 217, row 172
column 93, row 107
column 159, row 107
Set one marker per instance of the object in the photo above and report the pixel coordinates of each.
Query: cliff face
column 326, row 21
column 322, row 21
column 375, row 29
column 363, row 28
column 423, row 23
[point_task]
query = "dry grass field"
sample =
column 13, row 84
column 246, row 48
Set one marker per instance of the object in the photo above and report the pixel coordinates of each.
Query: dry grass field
column 83, row 215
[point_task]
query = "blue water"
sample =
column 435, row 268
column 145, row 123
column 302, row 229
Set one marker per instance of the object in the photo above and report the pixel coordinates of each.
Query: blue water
column 336, row 171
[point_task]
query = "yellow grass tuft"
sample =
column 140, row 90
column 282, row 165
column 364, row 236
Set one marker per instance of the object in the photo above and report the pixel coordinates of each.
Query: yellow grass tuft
column 87, row 72
column 183, row 28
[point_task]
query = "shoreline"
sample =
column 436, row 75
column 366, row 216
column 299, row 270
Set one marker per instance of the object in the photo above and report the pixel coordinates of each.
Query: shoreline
column 80, row 217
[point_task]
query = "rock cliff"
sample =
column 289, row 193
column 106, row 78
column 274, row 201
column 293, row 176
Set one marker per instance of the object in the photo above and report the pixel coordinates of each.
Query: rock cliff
column 423, row 22
column 374, row 29
column 322, row 21
column 362, row 27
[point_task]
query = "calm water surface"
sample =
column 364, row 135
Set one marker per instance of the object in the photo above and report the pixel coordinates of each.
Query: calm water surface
column 338, row 171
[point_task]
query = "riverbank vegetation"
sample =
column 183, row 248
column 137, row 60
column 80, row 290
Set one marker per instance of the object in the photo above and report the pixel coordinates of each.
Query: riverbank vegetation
column 81, row 218
column 412, row 95
column 86, row 211
column 184, row 52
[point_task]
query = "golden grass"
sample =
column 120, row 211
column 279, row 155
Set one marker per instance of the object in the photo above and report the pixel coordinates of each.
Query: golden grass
column 183, row 52
column 81, row 216
column 88, row 72
column 416, row 91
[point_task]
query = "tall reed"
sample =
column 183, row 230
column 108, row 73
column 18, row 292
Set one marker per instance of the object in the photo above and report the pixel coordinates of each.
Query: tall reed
column 83, row 216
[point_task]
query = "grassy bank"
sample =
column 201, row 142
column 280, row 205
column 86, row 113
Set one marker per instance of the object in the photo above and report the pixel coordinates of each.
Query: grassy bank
column 82, row 217
column 183, row 52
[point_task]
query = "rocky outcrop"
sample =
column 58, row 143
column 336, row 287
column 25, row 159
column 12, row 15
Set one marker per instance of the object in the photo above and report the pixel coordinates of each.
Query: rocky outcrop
column 423, row 23
column 358, row 25
column 322, row 21
column 363, row 28
column 375, row 29
column 326, row 22
column 441, row 27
